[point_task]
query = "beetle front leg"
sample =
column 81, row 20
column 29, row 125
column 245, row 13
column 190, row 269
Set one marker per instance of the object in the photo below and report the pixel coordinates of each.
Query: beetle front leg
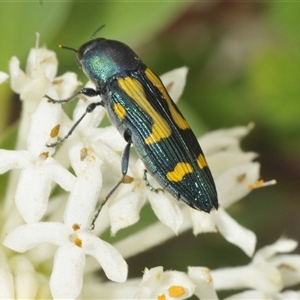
column 89, row 92
column 90, row 108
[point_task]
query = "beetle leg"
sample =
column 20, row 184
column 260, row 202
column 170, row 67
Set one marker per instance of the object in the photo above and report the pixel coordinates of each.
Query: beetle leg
column 88, row 110
column 149, row 186
column 89, row 92
column 124, row 170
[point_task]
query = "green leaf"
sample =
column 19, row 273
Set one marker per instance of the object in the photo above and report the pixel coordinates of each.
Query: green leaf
column 274, row 83
column 134, row 21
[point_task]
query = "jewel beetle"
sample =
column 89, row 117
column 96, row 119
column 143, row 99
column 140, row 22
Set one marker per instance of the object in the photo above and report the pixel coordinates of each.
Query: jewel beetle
column 139, row 106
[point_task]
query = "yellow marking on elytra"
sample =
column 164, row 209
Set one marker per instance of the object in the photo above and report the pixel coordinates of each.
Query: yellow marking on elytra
column 176, row 291
column 179, row 172
column 160, row 128
column 201, row 161
column 176, row 116
column 119, row 110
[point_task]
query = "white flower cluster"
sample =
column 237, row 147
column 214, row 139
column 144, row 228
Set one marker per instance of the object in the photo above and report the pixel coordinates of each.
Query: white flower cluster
column 58, row 249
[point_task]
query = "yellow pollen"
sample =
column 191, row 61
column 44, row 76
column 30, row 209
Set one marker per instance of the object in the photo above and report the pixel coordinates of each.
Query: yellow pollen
column 161, row 297
column 83, row 153
column 257, row 184
column 78, row 242
column 44, row 155
column 176, row 291
column 240, row 178
column 128, row 179
column 75, row 227
column 54, row 131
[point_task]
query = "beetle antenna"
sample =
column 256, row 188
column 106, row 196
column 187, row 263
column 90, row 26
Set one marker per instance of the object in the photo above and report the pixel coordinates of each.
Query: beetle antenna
column 66, row 47
column 96, row 32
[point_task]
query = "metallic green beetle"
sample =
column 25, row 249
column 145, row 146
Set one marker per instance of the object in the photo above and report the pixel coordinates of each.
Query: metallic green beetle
column 138, row 104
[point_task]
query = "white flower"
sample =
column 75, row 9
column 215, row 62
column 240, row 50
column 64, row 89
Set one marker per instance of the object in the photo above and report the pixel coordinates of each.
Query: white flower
column 232, row 178
column 58, row 222
column 38, row 172
column 3, row 77
column 204, row 282
column 38, row 169
column 74, row 243
column 157, row 284
column 266, row 276
column 73, row 238
column 233, row 171
column 19, row 280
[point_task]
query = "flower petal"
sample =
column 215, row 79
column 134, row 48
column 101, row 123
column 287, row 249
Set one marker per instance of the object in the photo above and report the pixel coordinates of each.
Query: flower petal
column 66, row 84
column 85, row 191
column 167, row 211
column 41, row 62
column 151, row 236
column 34, row 187
column 223, row 139
column 292, row 295
column 28, row 236
column 233, row 184
column 222, row 161
column 11, row 159
column 168, row 284
column 109, row 156
column 109, row 258
column 18, row 79
column 6, row 279
column 289, row 268
column 43, row 120
column 261, row 277
column 202, row 222
column 92, row 120
column 112, row 138
column 3, row 77
column 124, row 210
column 25, row 278
column 32, row 193
column 59, row 174
column 175, row 81
column 234, row 232
column 204, row 282
column 280, row 246
column 67, row 274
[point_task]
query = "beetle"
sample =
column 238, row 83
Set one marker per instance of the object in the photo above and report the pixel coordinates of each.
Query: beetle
column 139, row 106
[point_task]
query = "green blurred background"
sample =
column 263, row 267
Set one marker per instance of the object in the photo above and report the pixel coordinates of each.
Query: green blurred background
column 244, row 66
